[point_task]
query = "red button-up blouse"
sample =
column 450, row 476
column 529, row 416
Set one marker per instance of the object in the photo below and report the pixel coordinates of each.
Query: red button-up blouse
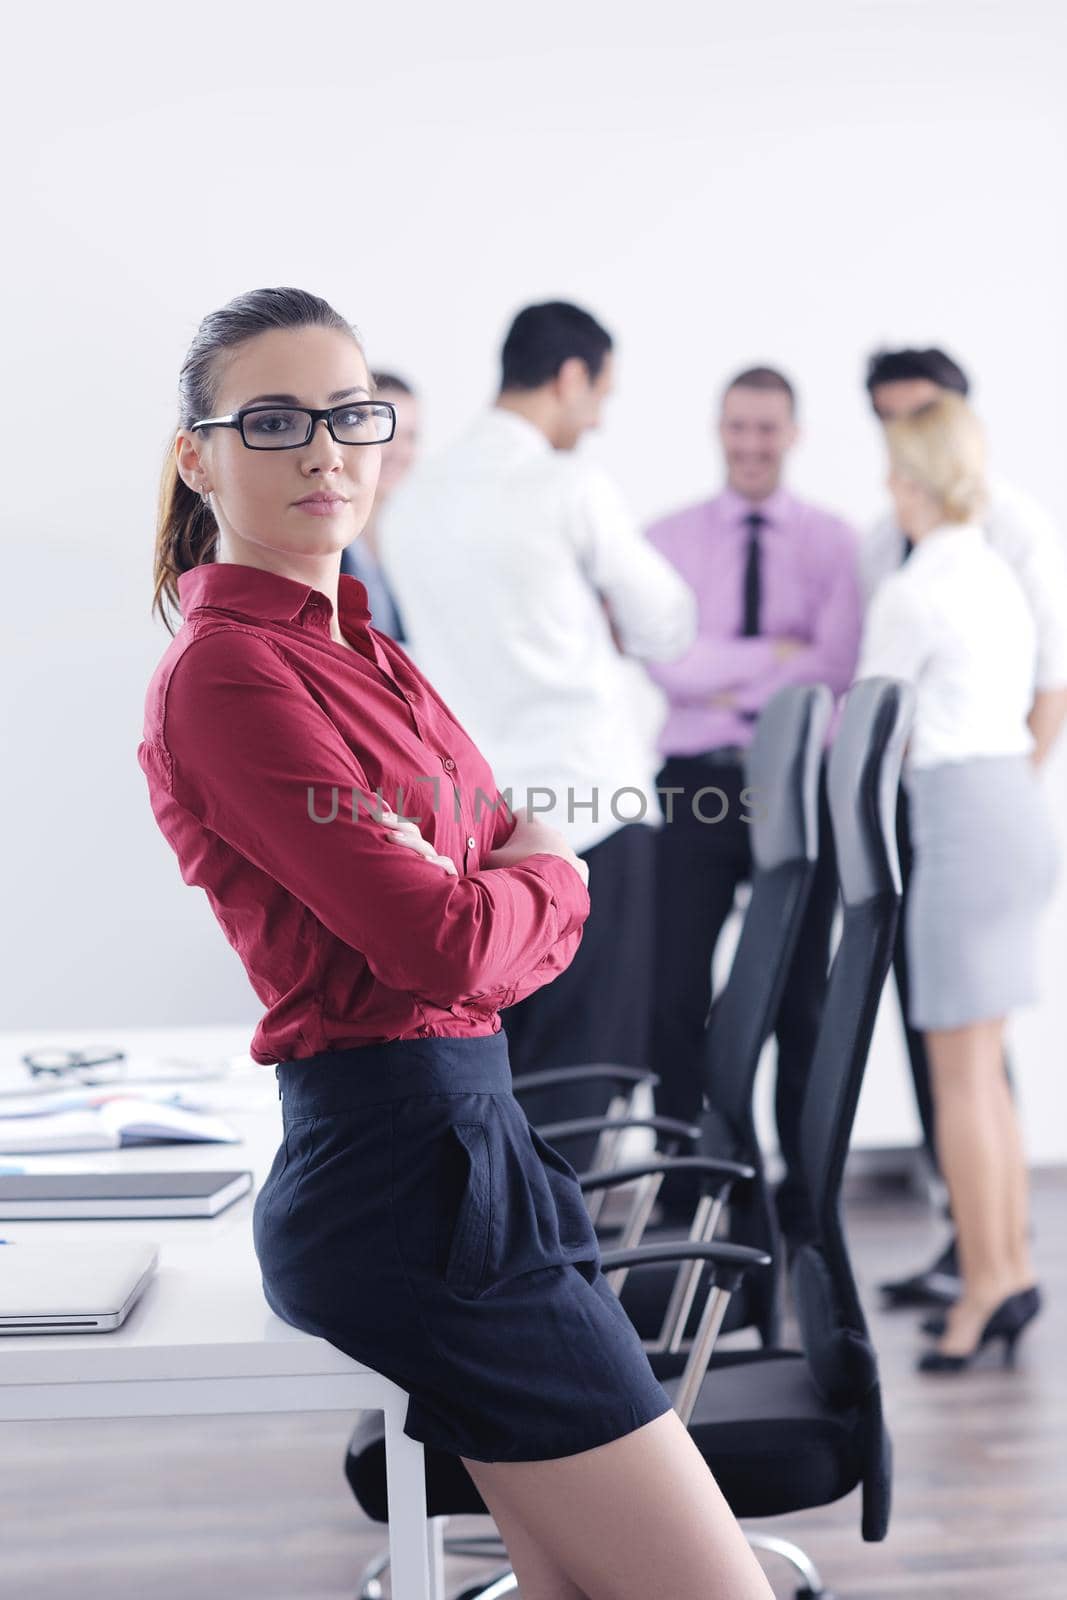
column 270, row 752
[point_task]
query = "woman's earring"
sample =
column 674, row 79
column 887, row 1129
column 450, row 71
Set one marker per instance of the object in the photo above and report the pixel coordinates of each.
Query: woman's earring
column 205, row 495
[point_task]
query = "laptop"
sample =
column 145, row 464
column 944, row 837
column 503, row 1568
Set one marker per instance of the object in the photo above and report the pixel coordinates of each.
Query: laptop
column 71, row 1288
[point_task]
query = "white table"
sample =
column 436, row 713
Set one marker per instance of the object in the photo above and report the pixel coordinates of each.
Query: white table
column 202, row 1339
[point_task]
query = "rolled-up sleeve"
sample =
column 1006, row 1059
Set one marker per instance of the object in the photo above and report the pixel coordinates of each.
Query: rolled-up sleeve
column 247, row 749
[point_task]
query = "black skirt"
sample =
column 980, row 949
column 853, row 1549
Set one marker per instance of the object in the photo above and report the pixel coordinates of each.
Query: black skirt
column 414, row 1219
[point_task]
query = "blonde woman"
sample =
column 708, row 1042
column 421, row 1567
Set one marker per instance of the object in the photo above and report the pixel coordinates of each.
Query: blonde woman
column 954, row 621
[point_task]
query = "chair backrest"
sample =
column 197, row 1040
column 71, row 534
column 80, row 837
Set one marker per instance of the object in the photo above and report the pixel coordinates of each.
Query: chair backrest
column 864, row 773
column 862, row 784
column 782, row 777
column 782, row 773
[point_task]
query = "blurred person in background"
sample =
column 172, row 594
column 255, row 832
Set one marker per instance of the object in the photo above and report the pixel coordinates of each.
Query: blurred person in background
column 954, row 621
column 778, row 590
column 525, row 584
column 361, row 558
column 1023, row 533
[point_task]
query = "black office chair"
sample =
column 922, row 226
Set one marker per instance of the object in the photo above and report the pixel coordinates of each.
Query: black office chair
column 782, row 1430
column 782, row 769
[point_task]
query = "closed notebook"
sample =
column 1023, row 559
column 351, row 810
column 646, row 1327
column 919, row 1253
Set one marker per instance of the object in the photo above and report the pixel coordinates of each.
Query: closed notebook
column 41, row 1196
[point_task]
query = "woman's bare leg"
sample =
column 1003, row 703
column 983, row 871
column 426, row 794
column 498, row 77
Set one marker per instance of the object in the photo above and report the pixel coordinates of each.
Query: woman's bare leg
column 981, row 1164
column 638, row 1517
column 540, row 1575
column 1019, row 1188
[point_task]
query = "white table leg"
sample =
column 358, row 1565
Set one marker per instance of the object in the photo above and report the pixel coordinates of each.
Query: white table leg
column 410, row 1539
column 435, row 1555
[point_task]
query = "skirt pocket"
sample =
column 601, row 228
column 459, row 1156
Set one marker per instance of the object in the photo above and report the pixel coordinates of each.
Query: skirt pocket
column 576, row 1230
column 468, row 1246
column 479, row 1198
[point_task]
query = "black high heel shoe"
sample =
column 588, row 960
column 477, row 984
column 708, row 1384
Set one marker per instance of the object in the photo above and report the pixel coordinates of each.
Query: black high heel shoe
column 936, row 1323
column 1006, row 1322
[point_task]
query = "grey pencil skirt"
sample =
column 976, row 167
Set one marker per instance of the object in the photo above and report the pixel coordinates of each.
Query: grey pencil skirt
column 985, row 865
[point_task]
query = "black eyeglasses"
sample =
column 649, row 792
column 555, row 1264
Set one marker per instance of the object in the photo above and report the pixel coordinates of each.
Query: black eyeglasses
column 101, row 1065
column 288, row 427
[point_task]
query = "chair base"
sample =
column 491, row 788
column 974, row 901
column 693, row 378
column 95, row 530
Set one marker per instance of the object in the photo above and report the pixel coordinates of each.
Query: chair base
column 369, row 1587
column 488, row 1545
column 812, row 1588
column 503, row 1581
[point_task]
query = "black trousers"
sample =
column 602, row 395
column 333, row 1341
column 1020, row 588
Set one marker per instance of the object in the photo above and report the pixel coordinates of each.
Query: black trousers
column 600, row 1008
column 699, row 868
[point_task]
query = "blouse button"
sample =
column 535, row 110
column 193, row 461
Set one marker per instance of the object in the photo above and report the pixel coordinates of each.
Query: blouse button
column 449, row 764
column 471, row 842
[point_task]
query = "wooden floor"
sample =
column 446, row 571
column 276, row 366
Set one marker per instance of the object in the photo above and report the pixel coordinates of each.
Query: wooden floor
column 224, row 1509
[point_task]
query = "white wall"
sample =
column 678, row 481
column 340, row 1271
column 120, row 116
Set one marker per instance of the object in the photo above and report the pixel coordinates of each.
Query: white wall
column 720, row 184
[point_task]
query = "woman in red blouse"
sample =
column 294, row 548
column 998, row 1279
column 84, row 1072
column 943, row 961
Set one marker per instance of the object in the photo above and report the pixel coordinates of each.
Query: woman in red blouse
column 385, row 903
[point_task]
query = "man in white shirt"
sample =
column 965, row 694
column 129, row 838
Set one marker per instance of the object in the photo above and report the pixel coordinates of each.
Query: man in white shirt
column 899, row 382
column 525, row 585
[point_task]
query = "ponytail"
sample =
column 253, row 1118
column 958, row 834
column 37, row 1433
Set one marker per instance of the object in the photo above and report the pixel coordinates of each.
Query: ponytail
column 186, row 537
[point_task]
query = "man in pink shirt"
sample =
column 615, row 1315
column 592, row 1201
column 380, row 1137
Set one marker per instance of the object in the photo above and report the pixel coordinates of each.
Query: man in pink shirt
column 778, row 591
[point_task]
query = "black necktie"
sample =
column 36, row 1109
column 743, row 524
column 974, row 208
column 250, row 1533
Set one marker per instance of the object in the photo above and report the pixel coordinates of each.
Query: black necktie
column 908, row 548
column 750, row 626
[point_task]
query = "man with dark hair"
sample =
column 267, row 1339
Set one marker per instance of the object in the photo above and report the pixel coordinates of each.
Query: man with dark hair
column 926, row 372
column 361, row 559
column 526, row 587
column 899, row 382
column 543, row 337
column 778, row 592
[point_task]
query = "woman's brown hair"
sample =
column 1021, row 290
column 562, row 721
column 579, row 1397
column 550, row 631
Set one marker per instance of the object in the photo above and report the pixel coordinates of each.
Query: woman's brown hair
column 186, row 530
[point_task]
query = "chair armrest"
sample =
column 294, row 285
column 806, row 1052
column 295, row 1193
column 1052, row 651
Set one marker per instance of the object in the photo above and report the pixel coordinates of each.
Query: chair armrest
column 729, row 1264
column 733, row 1171
column 649, row 1176
column 552, row 1076
column 731, row 1261
column 717, row 1177
column 580, row 1125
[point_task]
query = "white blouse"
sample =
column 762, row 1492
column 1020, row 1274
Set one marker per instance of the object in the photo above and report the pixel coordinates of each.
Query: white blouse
column 954, row 621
